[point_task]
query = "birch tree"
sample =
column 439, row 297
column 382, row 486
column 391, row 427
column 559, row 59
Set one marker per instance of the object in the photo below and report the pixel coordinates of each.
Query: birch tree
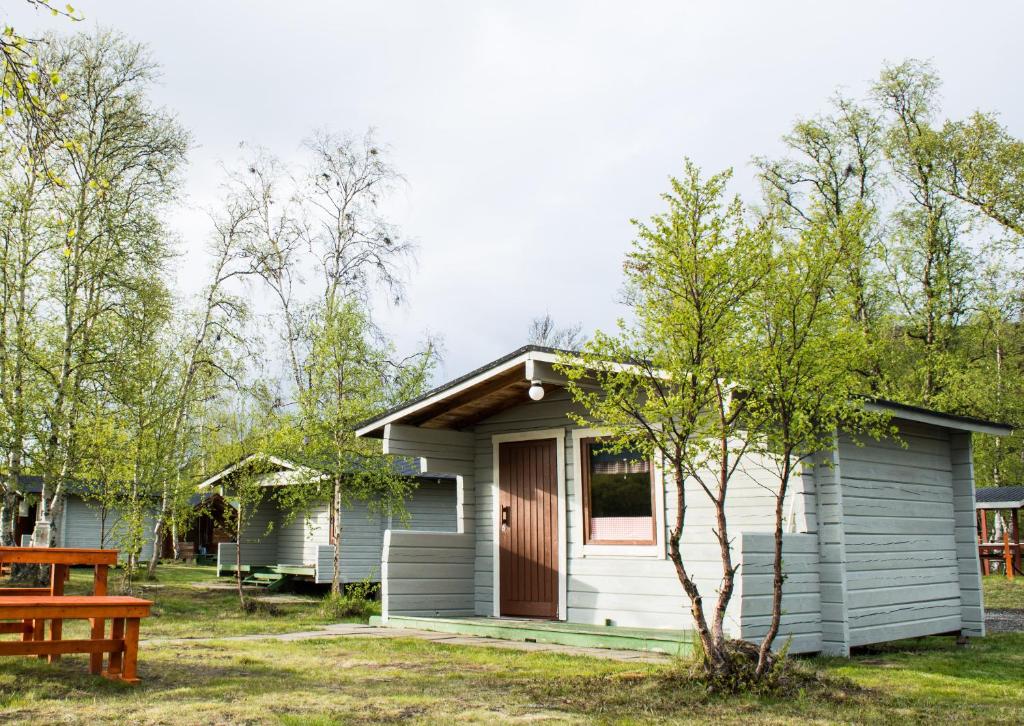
column 665, row 380
column 210, row 341
column 24, row 245
column 800, row 377
column 116, row 169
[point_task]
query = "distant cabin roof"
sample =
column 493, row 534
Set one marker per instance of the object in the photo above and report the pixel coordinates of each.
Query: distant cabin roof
column 505, row 383
column 400, row 465
column 999, row 498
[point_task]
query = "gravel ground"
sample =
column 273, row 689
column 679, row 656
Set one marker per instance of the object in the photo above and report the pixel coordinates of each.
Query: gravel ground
column 1004, row 621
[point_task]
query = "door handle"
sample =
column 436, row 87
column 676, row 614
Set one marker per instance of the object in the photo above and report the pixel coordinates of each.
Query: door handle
column 506, row 518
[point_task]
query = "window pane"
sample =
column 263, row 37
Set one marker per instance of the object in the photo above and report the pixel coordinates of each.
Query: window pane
column 620, row 495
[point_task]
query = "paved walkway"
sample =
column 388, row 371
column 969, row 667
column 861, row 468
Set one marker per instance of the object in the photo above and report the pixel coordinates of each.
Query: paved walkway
column 357, row 630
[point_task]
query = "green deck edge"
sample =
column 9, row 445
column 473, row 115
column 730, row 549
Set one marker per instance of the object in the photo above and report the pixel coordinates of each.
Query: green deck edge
column 295, row 570
column 669, row 642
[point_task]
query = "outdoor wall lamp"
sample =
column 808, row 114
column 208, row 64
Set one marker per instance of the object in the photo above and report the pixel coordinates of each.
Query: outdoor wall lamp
column 536, row 390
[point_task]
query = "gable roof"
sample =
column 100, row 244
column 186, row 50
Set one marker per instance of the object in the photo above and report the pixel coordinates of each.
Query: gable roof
column 504, row 383
column 500, row 384
column 999, row 498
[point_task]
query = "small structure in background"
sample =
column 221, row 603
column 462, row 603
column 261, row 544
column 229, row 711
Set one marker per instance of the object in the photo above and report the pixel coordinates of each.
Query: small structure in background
column 277, row 546
column 1000, row 546
column 83, row 523
column 212, row 525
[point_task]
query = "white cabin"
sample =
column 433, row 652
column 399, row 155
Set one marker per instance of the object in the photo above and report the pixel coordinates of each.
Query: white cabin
column 302, row 544
column 880, row 542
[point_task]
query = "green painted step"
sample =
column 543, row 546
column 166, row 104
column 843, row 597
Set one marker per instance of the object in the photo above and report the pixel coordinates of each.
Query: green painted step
column 269, row 580
column 670, row 642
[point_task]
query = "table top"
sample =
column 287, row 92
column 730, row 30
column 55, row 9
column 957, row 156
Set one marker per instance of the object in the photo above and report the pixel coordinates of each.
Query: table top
column 71, row 600
column 19, row 607
column 58, row 556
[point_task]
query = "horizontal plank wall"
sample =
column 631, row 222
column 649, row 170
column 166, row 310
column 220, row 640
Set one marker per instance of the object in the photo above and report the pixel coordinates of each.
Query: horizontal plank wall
column 299, row 536
column 972, row 611
column 259, row 546
column 800, row 626
column 86, row 526
column 441, row 452
column 427, row 574
column 432, row 507
column 362, row 537
column 832, row 565
column 903, row 577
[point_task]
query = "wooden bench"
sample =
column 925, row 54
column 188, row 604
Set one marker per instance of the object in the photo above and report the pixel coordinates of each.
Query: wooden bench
column 34, row 610
column 61, row 559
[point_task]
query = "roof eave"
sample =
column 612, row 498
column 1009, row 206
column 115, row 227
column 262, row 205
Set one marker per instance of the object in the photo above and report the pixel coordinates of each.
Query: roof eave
column 374, row 428
column 934, row 418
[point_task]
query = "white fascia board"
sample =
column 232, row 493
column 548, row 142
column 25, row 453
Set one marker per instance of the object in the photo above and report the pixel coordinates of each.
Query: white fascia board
column 938, row 419
column 287, row 465
column 999, row 505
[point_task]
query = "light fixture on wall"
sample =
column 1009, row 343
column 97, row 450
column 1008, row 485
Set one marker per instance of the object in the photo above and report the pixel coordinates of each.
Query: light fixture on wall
column 536, row 390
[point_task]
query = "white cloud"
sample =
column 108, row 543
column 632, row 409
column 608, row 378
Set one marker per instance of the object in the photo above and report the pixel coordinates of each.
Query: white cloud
column 531, row 132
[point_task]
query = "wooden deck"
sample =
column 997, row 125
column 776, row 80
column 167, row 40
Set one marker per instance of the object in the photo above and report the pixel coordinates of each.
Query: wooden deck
column 652, row 640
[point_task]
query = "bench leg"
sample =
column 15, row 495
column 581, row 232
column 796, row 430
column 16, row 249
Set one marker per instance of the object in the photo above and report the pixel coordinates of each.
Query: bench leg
column 56, row 631
column 39, row 632
column 58, row 576
column 27, row 626
column 116, row 633
column 96, row 659
column 131, row 650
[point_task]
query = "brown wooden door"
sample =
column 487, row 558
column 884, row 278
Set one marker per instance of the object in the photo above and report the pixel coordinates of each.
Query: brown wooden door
column 528, row 528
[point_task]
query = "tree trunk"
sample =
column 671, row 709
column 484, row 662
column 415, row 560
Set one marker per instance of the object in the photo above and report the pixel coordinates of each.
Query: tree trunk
column 8, row 517
column 158, row 534
column 336, row 506
column 765, row 649
column 238, row 555
column 714, row 659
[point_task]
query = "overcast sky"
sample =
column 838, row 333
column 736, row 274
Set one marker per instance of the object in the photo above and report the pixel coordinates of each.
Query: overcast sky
column 530, row 133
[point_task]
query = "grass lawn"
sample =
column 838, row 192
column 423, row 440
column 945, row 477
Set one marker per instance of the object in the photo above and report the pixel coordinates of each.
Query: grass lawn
column 362, row 680
column 185, row 607
column 1002, row 593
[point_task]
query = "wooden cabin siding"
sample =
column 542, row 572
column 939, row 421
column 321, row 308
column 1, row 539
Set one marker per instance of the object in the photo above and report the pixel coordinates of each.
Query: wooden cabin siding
column 362, row 537
column 432, row 507
column 362, row 534
column 902, row 573
column 291, row 540
column 972, row 613
column 428, row 574
column 259, row 534
column 826, row 474
column 82, row 527
column 299, row 536
column 800, row 626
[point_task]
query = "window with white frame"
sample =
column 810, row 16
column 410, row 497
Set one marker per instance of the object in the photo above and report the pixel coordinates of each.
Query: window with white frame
column 618, row 495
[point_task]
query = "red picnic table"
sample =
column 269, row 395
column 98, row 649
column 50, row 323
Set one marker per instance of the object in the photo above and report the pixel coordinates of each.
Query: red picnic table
column 33, row 606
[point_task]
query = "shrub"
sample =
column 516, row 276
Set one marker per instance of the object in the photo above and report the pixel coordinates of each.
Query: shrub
column 355, row 602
